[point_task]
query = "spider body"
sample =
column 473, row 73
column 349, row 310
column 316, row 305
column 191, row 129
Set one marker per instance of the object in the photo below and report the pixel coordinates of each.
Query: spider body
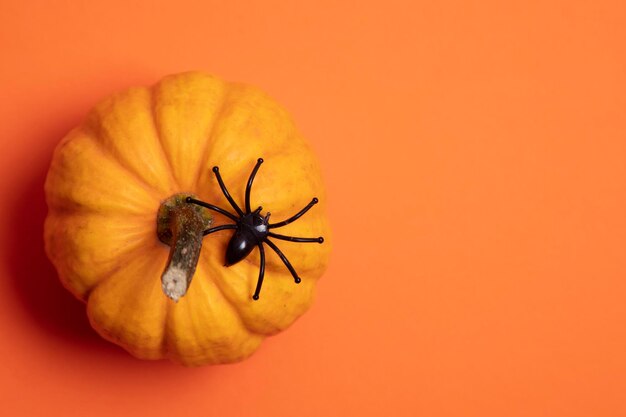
column 253, row 230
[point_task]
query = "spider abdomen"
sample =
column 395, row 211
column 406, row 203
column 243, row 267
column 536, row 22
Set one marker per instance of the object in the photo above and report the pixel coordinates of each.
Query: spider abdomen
column 251, row 230
column 240, row 246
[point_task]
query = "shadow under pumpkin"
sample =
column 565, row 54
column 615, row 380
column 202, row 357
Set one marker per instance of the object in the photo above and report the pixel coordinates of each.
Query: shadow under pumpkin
column 34, row 278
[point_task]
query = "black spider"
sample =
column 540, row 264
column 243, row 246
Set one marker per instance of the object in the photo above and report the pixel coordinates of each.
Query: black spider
column 252, row 229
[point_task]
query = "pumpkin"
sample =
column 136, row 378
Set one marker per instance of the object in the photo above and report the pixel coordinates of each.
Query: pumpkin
column 142, row 150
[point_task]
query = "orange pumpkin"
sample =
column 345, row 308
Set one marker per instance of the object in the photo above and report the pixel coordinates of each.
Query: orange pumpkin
column 143, row 149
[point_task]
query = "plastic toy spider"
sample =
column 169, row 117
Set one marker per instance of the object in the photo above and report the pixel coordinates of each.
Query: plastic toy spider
column 252, row 229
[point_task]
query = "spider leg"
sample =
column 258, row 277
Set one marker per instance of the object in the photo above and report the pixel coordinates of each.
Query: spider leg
column 212, row 207
column 259, row 282
column 216, row 171
column 294, row 217
column 282, row 256
column 250, row 180
column 296, row 239
column 218, row 228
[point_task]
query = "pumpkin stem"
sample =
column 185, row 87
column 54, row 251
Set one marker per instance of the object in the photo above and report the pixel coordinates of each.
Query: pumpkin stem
column 181, row 225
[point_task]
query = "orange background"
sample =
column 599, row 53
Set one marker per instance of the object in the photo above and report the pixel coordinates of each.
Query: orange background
column 475, row 158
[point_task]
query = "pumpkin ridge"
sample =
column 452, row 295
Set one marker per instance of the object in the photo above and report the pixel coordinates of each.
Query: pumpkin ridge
column 123, row 257
column 89, row 290
column 68, row 199
column 232, row 304
column 94, row 135
column 212, row 132
column 80, row 287
column 114, row 334
column 255, row 322
column 170, row 336
column 71, row 207
column 205, row 266
column 166, row 157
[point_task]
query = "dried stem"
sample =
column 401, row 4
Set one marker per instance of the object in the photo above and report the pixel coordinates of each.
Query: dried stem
column 181, row 225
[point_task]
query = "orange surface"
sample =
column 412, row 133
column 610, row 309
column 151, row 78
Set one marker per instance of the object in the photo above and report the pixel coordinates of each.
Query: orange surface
column 475, row 157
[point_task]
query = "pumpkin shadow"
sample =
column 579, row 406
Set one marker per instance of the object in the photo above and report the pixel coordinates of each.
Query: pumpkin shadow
column 32, row 279
column 35, row 281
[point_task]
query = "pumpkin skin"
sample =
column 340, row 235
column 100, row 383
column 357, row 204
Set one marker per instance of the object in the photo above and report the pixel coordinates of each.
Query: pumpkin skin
column 136, row 149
